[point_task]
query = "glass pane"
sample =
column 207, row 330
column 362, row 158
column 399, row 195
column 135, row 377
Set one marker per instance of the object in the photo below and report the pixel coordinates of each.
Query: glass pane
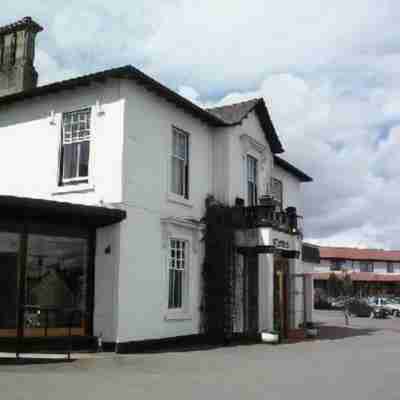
column 177, row 176
column 9, row 248
column 171, row 289
column 84, row 159
column 178, row 289
column 70, row 156
column 56, row 285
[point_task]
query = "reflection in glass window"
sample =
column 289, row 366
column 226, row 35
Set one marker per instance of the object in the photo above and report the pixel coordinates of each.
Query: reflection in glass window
column 56, row 279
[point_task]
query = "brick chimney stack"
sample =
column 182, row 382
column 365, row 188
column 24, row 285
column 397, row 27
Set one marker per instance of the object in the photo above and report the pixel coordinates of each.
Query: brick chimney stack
column 17, row 53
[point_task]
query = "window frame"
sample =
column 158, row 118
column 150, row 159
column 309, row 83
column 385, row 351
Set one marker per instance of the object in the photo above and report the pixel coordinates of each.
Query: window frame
column 185, row 195
column 369, row 266
column 391, row 269
column 77, row 180
column 274, row 181
column 185, row 273
column 337, row 265
column 251, row 197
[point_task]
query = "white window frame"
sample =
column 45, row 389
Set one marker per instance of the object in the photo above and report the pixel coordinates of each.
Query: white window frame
column 70, row 182
column 255, row 179
column 183, row 269
column 185, row 196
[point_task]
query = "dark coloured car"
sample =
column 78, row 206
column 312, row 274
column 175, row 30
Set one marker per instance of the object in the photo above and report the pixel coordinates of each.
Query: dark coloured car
column 360, row 308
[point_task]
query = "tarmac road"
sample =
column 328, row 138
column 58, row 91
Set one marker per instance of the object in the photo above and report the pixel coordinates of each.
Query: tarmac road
column 359, row 362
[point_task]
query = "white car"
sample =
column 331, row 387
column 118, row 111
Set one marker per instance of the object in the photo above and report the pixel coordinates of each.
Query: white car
column 391, row 306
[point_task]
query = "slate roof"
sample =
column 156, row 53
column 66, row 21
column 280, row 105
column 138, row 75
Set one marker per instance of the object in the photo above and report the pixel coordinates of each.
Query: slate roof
column 235, row 113
column 351, row 253
column 292, row 169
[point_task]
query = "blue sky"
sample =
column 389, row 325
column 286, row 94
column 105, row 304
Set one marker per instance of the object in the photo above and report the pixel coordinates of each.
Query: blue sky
column 327, row 70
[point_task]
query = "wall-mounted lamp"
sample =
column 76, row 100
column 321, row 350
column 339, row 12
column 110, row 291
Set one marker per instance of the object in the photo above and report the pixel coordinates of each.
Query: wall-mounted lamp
column 52, row 118
column 107, row 250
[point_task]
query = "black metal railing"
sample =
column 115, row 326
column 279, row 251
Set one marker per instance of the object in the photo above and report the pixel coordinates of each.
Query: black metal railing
column 263, row 216
column 36, row 317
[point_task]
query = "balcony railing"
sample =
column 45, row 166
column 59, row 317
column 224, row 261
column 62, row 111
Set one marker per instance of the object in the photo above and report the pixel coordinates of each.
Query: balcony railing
column 266, row 216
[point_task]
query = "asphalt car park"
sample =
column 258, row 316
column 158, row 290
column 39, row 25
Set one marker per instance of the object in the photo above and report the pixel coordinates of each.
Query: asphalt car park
column 359, row 361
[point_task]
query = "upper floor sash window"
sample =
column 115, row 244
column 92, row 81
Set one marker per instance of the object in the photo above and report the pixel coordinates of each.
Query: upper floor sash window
column 75, row 147
column 277, row 190
column 252, row 194
column 180, row 163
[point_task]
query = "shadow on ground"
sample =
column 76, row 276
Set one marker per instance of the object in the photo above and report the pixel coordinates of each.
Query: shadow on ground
column 32, row 361
column 333, row 332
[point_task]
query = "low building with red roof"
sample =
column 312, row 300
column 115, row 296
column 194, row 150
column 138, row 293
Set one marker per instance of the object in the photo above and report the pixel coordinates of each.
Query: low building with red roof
column 373, row 271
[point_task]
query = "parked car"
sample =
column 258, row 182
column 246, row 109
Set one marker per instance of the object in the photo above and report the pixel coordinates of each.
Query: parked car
column 361, row 308
column 322, row 304
column 390, row 305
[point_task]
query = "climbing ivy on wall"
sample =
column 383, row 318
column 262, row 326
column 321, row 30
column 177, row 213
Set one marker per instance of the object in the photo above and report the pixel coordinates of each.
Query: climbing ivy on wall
column 218, row 273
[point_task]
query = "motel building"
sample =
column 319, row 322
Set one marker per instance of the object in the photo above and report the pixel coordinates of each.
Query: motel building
column 374, row 272
column 106, row 180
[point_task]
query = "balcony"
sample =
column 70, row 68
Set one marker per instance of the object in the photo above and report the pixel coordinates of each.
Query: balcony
column 267, row 216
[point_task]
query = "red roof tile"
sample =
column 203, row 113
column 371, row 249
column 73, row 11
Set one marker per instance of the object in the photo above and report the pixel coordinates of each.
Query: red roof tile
column 349, row 253
column 359, row 276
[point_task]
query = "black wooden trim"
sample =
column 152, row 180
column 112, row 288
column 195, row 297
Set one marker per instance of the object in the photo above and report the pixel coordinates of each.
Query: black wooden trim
column 91, row 282
column 164, row 344
column 256, row 250
column 268, row 250
column 56, row 212
column 109, row 347
column 22, row 257
column 287, row 253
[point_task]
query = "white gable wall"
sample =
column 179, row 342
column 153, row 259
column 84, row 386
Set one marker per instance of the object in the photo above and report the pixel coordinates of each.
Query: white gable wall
column 30, row 144
column 143, row 312
column 248, row 138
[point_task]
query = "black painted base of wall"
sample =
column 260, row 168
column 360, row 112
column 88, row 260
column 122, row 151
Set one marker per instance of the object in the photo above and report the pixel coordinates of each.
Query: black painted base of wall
column 181, row 343
column 48, row 344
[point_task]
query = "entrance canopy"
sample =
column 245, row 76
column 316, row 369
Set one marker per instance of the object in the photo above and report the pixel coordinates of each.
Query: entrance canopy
column 58, row 212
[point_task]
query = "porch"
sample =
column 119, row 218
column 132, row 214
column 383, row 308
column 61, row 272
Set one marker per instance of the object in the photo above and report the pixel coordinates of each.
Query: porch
column 47, row 267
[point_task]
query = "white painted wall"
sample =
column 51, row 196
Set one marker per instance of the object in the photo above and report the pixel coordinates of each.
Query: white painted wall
column 291, row 187
column 29, row 145
column 130, row 168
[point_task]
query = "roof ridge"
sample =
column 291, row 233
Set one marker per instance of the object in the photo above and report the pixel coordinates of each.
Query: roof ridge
column 255, row 100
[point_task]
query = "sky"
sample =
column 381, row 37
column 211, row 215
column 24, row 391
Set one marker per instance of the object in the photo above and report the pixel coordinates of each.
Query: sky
column 328, row 71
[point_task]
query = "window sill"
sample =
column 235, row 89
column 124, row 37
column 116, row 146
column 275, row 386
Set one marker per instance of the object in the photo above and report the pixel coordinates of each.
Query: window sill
column 82, row 188
column 177, row 315
column 174, row 198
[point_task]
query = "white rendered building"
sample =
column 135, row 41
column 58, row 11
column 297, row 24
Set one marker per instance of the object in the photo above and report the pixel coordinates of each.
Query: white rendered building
column 103, row 190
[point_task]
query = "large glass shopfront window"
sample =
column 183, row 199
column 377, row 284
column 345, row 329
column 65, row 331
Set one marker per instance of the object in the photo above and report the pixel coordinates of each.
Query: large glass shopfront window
column 9, row 253
column 44, row 282
column 56, row 286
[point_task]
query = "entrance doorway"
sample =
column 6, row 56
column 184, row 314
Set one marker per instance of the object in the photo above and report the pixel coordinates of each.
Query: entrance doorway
column 281, row 273
column 250, row 294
